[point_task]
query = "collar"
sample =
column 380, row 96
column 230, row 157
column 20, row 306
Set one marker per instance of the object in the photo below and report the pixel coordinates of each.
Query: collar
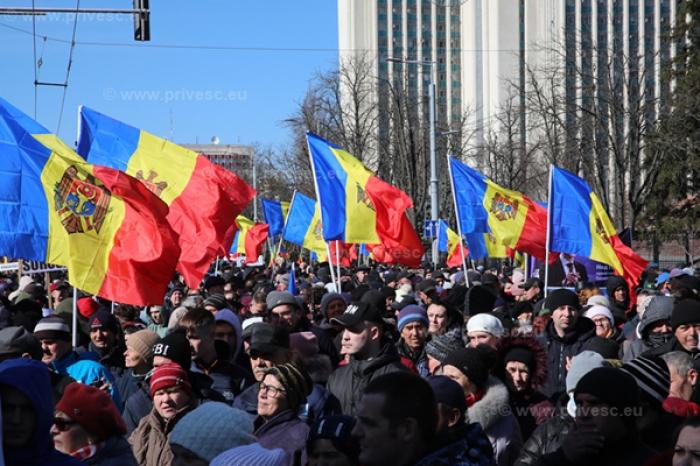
column 88, row 451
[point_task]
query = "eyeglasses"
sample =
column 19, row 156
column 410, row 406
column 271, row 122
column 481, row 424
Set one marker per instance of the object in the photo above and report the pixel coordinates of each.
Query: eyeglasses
column 63, row 425
column 269, row 390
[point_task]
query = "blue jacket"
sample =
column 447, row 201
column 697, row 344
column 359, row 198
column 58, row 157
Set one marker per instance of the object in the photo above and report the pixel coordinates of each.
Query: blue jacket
column 286, row 431
column 32, row 379
column 90, row 373
column 116, row 452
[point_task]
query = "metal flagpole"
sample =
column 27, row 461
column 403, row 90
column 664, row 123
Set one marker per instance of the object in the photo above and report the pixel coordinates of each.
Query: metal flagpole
column 286, row 217
column 330, row 265
column 337, row 262
column 459, row 224
column 75, row 317
column 549, row 221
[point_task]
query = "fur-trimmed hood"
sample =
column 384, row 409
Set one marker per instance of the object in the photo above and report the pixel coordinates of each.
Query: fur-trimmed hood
column 492, row 406
column 538, row 376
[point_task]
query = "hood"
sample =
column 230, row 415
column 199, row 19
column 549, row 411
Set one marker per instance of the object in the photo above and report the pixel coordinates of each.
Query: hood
column 490, row 408
column 658, row 309
column 616, row 282
column 538, row 375
column 31, row 378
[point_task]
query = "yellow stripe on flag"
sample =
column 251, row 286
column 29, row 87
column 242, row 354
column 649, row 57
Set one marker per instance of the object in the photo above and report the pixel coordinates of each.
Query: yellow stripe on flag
column 601, row 229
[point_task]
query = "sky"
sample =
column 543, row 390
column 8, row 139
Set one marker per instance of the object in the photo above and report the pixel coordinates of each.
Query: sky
column 261, row 59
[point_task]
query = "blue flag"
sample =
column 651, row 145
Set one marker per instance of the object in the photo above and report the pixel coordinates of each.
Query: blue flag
column 275, row 213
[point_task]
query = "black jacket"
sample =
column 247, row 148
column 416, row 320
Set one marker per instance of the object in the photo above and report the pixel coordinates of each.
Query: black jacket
column 349, row 381
column 546, row 439
column 558, row 349
column 672, row 345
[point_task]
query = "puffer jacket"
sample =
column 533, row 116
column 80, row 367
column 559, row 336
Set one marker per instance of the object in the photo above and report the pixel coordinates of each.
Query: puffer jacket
column 349, row 381
column 149, row 441
column 465, row 446
column 115, row 452
column 559, row 348
column 286, row 431
column 546, row 439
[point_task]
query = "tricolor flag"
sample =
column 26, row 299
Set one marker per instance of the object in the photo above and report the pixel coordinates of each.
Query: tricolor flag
column 303, row 226
column 485, row 207
column 249, row 239
column 449, row 242
column 358, row 207
column 275, row 212
column 483, row 245
column 103, row 225
column 204, row 199
column 579, row 225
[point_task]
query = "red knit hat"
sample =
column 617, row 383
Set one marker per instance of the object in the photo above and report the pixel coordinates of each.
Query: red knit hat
column 93, row 409
column 170, row 375
column 87, row 306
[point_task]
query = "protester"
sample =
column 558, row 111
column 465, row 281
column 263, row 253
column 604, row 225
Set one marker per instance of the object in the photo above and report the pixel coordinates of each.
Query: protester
column 484, row 329
column 619, row 297
column 55, row 337
column 654, row 328
column 684, row 380
column 158, row 323
column 685, row 324
column 439, row 347
column 687, row 444
column 604, row 322
column 442, row 319
column 331, row 442
column 413, row 328
column 88, row 427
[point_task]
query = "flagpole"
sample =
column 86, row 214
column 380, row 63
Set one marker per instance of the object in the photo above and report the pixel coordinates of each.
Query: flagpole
column 459, row 224
column 549, row 221
column 75, row 318
column 286, row 217
column 337, row 262
column 330, row 265
column 526, row 265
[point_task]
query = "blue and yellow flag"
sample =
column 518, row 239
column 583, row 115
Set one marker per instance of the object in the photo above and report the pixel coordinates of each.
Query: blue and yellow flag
column 303, row 226
column 275, row 213
column 482, row 245
column 449, row 242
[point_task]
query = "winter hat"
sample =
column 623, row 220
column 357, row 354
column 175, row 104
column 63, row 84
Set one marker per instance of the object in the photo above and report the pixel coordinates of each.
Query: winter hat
column 87, row 306
column 597, row 310
column 227, row 315
column 216, row 300
column 440, row 346
column 412, row 313
column 448, row 392
column 170, row 375
column 479, row 299
column 326, row 300
column 296, row 382
column 15, row 341
column 582, row 364
column 93, row 409
column 52, row 328
column 663, row 277
column 142, row 342
column 304, row 343
column 606, row 347
column 175, row 347
column 685, row 312
column 520, row 354
column 337, row 429
column 485, row 323
column 613, row 387
column 658, row 310
column 105, row 320
column 598, row 300
column 561, row 297
column 251, row 455
column 213, row 428
column 652, row 376
column 277, row 298
column 471, row 362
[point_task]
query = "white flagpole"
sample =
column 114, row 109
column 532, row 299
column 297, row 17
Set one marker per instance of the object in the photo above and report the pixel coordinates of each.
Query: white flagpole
column 337, row 262
column 75, row 317
column 330, row 265
column 549, row 221
column 286, row 217
column 459, row 224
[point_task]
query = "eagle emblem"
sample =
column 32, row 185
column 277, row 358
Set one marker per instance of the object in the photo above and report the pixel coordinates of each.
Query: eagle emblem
column 364, row 198
column 318, row 230
column 81, row 204
column 156, row 187
column 503, row 207
column 600, row 231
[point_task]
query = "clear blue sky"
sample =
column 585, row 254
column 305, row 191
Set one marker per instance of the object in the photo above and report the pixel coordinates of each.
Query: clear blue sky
column 241, row 96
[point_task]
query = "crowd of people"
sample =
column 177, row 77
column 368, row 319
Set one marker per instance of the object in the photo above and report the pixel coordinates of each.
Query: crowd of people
column 388, row 366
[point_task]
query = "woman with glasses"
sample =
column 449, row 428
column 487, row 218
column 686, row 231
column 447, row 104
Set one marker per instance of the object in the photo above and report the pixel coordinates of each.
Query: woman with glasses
column 281, row 392
column 88, row 427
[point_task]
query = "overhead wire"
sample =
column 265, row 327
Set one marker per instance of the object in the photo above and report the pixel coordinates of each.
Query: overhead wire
column 68, row 67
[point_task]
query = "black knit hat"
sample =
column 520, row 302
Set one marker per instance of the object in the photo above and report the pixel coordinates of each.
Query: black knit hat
column 440, row 346
column 296, row 382
column 606, row 347
column 685, row 312
column 216, row 300
column 471, row 362
column 520, row 354
column 652, row 376
column 175, row 347
column 561, row 297
column 613, row 387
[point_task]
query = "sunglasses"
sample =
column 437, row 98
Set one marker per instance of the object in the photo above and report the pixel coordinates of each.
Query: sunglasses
column 62, row 425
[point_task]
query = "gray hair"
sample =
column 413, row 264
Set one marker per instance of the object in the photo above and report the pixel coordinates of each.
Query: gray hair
column 681, row 362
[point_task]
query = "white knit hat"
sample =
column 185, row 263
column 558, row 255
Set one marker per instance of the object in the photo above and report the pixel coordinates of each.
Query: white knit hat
column 599, row 300
column 596, row 310
column 485, row 323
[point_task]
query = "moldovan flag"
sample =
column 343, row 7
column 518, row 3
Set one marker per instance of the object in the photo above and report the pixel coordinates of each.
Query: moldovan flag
column 358, row 207
column 303, row 226
column 449, row 242
column 275, row 212
column 249, row 238
column 103, row 225
column 204, row 199
column 483, row 245
column 580, row 225
column 483, row 206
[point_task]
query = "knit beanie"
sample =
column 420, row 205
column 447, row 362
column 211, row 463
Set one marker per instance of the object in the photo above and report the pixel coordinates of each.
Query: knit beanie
column 216, row 300
column 440, row 346
column 105, row 320
column 296, row 382
column 561, row 297
column 251, row 455
column 652, row 376
column 471, row 362
column 93, row 409
column 484, row 322
column 582, row 364
column 412, row 313
column 175, row 347
column 606, row 347
column 597, row 310
column 213, row 428
column 326, row 300
column 598, row 300
column 448, row 392
column 142, row 342
column 52, row 328
column 614, row 387
column 685, row 312
column 520, row 354
column 337, row 429
column 170, row 375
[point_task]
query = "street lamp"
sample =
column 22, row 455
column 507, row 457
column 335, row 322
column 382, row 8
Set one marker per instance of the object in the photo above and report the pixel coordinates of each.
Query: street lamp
column 434, row 214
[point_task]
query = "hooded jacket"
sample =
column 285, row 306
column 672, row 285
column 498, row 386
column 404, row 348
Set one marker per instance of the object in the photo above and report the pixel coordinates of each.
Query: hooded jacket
column 32, row 379
column 619, row 310
column 559, row 348
column 349, row 381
